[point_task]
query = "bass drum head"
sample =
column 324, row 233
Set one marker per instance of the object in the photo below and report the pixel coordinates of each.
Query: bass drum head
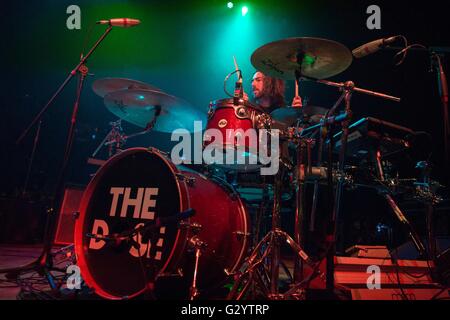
column 133, row 188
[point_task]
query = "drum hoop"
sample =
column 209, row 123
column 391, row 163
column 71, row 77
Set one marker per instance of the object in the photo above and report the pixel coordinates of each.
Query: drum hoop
column 228, row 103
column 179, row 246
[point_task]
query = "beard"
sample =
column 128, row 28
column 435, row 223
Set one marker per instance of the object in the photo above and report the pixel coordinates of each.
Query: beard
column 257, row 94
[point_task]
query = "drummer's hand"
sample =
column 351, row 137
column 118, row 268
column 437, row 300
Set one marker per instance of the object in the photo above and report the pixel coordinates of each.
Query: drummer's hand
column 297, row 102
column 245, row 96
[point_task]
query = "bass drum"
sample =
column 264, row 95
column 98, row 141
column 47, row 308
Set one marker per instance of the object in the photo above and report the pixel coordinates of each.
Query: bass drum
column 142, row 188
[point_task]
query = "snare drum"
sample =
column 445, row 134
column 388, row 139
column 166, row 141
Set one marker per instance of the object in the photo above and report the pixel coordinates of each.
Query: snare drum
column 140, row 187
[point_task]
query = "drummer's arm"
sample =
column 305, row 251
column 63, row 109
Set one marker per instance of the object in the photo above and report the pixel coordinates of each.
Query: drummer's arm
column 297, row 102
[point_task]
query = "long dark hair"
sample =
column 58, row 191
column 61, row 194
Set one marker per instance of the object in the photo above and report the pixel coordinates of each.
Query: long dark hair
column 274, row 88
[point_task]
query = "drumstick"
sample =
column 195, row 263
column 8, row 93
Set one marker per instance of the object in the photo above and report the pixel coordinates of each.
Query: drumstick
column 296, row 88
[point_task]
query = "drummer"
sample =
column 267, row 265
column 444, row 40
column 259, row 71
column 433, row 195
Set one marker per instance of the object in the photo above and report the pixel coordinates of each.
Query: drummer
column 268, row 92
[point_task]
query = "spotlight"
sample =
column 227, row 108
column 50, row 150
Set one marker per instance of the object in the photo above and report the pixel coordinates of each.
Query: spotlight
column 230, row 5
column 244, row 10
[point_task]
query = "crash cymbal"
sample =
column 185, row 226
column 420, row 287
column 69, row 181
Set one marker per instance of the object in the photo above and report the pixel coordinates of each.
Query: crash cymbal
column 315, row 58
column 290, row 115
column 107, row 85
column 140, row 107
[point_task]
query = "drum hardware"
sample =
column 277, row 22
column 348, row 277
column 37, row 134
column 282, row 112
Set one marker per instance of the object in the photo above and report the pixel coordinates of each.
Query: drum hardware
column 387, row 194
column 178, row 274
column 270, row 246
column 254, row 275
column 264, row 121
column 241, row 234
column 190, row 181
column 241, row 112
column 114, row 138
column 193, row 226
column 347, row 89
column 197, row 245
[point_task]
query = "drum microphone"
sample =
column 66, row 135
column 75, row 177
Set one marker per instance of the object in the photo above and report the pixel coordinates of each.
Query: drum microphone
column 120, row 22
column 373, row 47
column 238, row 90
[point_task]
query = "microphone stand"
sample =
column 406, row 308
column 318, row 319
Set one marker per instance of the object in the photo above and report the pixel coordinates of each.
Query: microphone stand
column 44, row 264
column 347, row 89
column 443, row 92
column 30, row 165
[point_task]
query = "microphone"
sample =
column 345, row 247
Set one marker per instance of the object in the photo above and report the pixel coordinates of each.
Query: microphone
column 120, row 22
column 372, row 47
column 238, row 90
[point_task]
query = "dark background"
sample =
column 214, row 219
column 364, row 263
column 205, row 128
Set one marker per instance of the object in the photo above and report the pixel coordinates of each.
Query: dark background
column 186, row 49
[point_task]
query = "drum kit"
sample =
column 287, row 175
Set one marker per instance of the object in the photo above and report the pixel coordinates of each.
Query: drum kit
column 148, row 226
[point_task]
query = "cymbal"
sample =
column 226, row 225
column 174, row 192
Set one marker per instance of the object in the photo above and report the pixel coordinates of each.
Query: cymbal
column 320, row 58
column 140, row 107
column 290, row 115
column 107, row 85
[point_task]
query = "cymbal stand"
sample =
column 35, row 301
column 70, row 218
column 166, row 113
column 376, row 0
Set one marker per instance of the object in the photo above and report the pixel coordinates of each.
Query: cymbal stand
column 114, row 136
column 302, row 170
column 406, row 224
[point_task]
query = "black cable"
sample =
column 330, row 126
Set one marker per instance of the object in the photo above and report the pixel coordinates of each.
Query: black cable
column 399, row 283
column 405, row 51
column 226, row 79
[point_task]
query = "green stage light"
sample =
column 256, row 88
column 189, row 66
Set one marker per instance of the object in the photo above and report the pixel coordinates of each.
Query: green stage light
column 230, row 5
column 244, row 10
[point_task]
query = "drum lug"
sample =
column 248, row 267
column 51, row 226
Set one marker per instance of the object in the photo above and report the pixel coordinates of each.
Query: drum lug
column 195, row 243
column 241, row 112
column 190, row 181
column 263, row 121
column 210, row 111
column 194, row 226
column 179, row 273
column 241, row 234
column 229, row 273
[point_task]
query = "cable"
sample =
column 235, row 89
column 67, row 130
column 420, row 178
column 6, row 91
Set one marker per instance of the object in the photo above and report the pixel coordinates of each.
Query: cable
column 86, row 38
column 226, row 79
column 405, row 51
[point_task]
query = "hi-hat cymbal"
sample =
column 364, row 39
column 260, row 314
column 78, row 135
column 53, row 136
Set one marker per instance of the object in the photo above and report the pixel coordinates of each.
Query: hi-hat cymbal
column 313, row 57
column 290, row 115
column 107, row 85
column 140, row 107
